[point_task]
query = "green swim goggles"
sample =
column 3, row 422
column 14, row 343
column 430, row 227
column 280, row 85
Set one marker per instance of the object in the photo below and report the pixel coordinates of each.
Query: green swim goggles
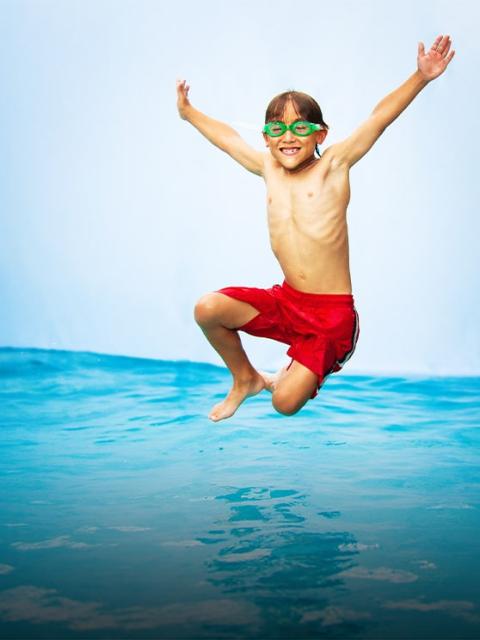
column 298, row 128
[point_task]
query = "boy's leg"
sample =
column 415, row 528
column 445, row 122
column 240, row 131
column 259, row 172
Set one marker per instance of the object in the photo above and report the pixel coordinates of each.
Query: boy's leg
column 219, row 316
column 292, row 388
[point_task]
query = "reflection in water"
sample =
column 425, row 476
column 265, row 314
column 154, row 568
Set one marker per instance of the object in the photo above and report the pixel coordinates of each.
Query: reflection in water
column 286, row 564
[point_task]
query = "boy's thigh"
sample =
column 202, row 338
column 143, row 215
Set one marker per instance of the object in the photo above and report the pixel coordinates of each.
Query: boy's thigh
column 219, row 308
column 297, row 385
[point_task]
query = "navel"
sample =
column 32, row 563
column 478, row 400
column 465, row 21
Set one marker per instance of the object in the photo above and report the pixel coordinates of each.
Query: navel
column 310, row 194
column 269, row 201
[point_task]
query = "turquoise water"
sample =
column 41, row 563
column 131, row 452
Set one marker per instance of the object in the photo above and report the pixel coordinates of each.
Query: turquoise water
column 126, row 513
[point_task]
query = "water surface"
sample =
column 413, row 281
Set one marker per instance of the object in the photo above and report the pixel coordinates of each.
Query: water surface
column 126, row 513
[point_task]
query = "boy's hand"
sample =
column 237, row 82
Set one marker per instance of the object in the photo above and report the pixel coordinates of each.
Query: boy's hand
column 434, row 63
column 182, row 97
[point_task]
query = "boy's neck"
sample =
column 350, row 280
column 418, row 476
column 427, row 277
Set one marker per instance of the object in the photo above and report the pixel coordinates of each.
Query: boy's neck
column 306, row 164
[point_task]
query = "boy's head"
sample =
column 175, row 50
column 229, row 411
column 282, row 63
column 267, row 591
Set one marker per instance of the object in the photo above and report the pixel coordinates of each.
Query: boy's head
column 289, row 149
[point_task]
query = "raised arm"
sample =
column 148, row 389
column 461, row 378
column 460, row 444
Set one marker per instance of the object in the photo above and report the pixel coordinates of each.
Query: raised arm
column 429, row 66
column 219, row 133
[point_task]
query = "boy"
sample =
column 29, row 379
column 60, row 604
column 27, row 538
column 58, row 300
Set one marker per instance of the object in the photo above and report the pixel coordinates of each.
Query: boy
column 313, row 310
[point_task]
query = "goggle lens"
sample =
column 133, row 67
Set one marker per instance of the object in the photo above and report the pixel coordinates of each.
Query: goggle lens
column 298, row 128
column 275, row 129
column 302, row 128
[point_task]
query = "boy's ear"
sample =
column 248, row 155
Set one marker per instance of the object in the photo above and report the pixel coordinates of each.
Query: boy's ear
column 321, row 135
column 265, row 137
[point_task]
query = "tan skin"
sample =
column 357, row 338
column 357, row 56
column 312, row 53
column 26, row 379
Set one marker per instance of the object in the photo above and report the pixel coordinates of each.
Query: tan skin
column 307, row 211
column 307, row 201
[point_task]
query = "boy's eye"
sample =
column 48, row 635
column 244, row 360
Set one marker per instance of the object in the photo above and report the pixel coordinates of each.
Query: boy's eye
column 276, row 128
column 301, row 127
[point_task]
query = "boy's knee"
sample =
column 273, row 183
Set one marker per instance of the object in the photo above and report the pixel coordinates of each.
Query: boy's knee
column 206, row 309
column 285, row 404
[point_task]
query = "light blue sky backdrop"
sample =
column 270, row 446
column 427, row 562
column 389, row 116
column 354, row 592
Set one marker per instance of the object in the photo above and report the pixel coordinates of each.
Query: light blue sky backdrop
column 116, row 215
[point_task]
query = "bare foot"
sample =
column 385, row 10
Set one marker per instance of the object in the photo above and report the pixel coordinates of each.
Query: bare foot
column 237, row 395
column 272, row 379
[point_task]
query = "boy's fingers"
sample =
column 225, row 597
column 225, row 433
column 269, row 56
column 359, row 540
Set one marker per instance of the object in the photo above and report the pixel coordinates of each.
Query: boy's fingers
column 436, row 43
column 421, row 49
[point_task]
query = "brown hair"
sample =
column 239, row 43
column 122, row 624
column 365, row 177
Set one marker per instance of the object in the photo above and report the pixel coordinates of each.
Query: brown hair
column 306, row 107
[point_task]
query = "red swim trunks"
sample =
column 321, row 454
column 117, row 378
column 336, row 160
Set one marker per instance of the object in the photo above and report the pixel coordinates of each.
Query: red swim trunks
column 321, row 329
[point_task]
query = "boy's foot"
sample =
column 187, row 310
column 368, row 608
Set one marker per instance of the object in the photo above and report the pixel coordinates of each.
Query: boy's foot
column 237, row 395
column 271, row 379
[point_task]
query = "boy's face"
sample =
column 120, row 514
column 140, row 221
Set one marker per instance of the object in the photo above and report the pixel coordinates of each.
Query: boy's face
column 290, row 150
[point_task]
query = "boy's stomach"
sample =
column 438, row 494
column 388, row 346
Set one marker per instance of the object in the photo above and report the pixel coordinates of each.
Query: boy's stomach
column 317, row 268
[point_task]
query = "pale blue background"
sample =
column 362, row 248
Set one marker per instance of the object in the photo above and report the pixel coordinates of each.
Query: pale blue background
column 115, row 216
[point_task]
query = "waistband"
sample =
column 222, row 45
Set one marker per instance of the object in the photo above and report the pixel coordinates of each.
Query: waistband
column 318, row 298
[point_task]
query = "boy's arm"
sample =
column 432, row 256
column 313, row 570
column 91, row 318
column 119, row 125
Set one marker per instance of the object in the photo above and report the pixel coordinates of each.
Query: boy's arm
column 219, row 133
column 430, row 66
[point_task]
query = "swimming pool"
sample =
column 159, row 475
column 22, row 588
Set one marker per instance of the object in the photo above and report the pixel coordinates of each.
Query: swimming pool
column 126, row 513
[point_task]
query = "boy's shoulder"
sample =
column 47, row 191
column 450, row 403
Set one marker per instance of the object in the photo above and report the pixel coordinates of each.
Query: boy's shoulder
column 333, row 155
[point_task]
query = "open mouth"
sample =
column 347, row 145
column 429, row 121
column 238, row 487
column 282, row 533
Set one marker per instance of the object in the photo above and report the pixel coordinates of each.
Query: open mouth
column 290, row 151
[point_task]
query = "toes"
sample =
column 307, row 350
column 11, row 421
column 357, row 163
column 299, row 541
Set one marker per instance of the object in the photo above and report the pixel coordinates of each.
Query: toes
column 268, row 380
column 217, row 413
column 213, row 415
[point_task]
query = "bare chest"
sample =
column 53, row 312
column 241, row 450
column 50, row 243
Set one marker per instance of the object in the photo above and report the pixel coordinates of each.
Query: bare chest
column 313, row 205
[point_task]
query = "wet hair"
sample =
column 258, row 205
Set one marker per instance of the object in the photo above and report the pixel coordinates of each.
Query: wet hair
column 306, row 107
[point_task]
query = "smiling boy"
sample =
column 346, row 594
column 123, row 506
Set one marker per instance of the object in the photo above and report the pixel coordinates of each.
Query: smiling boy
column 313, row 310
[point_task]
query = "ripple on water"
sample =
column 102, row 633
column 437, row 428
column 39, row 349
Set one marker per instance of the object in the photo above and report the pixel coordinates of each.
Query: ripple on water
column 357, row 518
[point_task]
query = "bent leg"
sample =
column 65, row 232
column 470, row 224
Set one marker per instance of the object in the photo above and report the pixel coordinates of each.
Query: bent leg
column 293, row 388
column 219, row 316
